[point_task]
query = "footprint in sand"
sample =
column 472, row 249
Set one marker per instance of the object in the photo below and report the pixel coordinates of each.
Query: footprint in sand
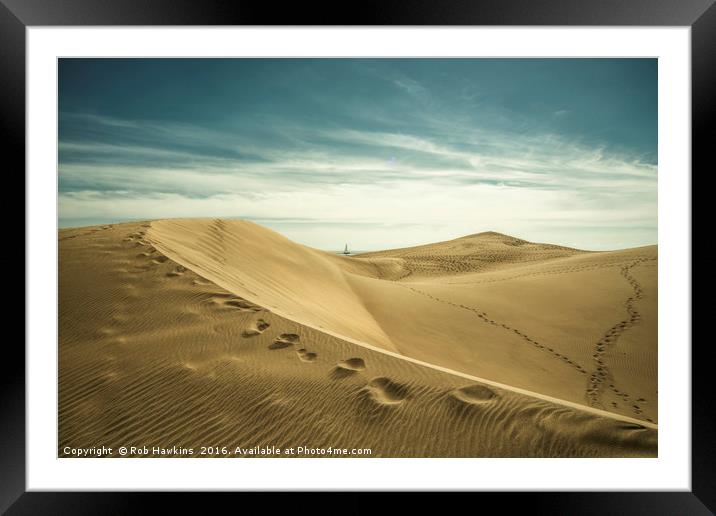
column 242, row 305
column 258, row 329
column 285, row 340
column 306, row 356
column 385, row 391
column 352, row 364
column 233, row 302
column 347, row 367
column 474, row 394
column 180, row 270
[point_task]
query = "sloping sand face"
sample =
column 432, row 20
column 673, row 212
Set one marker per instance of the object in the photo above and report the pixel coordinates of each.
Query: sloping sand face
column 222, row 333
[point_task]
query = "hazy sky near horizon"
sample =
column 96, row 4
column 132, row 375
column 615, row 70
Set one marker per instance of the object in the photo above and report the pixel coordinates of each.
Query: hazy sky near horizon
column 376, row 153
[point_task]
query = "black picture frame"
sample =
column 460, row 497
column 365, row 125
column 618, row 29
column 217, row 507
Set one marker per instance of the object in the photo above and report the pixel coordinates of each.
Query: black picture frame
column 16, row 15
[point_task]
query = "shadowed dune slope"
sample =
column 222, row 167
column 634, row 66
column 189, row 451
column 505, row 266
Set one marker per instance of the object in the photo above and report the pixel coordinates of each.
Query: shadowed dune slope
column 205, row 332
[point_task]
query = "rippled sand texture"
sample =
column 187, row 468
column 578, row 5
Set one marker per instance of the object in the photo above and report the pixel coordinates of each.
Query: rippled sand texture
column 223, row 333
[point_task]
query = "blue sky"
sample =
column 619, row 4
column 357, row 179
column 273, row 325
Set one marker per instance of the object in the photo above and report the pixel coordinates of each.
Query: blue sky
column 378, row 153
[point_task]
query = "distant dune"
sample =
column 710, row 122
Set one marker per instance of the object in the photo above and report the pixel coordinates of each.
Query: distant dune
column 214, row 332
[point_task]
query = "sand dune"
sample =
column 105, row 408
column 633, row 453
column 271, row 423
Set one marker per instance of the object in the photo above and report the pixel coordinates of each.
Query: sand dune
column 212, row 332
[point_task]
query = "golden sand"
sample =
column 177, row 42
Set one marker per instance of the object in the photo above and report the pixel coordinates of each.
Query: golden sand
column 205, row 332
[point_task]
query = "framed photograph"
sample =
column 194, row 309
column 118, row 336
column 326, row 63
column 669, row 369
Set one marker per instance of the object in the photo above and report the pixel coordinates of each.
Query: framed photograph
column 425, row 249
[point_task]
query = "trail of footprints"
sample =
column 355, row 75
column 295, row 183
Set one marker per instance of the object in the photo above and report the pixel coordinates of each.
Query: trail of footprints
column 382, row 390
column 483, row 316
column 222, row 299
column 601, row 375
